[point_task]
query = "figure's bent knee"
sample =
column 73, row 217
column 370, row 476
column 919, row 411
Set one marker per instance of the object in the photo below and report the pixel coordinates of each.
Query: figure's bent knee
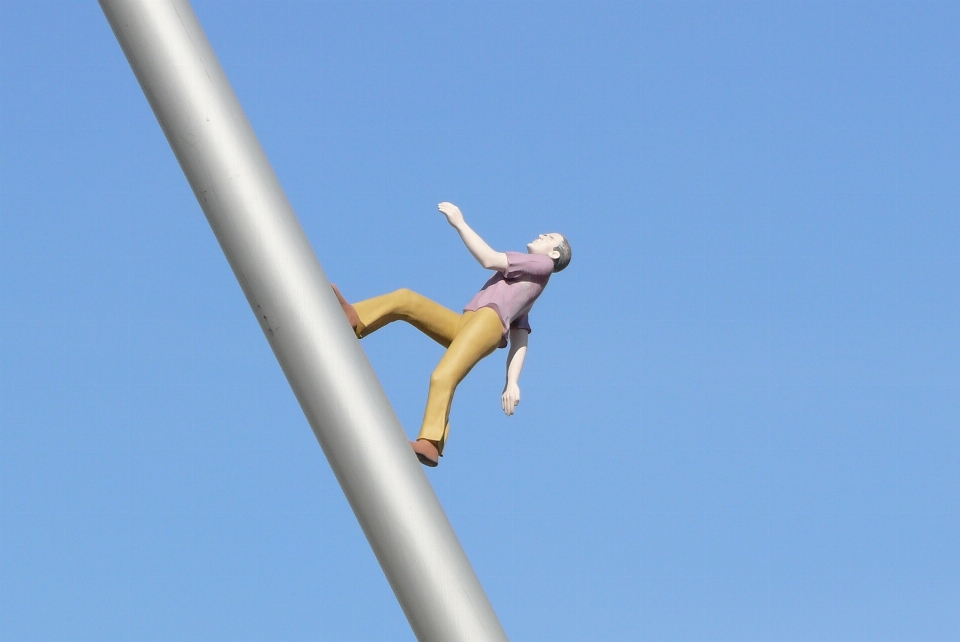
column 403, row 300
column 441, row 379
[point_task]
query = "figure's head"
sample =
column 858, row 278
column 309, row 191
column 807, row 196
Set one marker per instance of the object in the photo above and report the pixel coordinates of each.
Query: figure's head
column 553, row 245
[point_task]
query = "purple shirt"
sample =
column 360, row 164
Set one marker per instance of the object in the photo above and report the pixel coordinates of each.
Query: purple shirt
column 511, row 293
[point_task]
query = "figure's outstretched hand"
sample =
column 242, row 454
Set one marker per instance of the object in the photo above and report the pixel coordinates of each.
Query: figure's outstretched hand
column 510, row 398
column 452, row 212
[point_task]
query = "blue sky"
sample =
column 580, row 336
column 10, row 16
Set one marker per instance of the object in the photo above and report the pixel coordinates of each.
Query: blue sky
column 741, row 404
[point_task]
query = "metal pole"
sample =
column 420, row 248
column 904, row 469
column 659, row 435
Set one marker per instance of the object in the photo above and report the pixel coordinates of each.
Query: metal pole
column 291, row 298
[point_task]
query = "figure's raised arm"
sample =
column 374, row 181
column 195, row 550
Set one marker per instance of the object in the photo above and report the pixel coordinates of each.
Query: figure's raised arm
column 485, row 255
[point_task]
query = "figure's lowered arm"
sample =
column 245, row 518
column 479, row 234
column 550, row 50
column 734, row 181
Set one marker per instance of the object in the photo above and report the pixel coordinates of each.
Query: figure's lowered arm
column 518, row 350
column 486, row 255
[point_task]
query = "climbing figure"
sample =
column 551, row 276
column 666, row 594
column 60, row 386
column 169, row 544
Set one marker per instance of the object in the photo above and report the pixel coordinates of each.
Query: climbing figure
column 497, row 313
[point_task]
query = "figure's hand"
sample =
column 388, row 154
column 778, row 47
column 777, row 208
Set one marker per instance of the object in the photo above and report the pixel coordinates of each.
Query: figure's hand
column 452, row 212
column 510, row 398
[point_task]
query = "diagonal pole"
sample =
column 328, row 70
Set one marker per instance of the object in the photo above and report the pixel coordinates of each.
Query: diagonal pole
column 302, row 320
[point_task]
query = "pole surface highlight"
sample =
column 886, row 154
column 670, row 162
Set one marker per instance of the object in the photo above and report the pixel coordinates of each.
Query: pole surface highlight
column 288, row 292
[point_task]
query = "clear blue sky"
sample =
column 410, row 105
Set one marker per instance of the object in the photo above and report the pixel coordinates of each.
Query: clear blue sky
column 741, row 407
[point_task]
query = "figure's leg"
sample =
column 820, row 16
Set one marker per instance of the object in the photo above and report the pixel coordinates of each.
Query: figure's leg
column 434, row 320
column 479, row 335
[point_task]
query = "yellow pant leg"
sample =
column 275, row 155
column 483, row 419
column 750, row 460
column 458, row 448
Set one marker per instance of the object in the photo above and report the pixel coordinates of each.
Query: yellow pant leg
column 479, row 335
column 434, row 320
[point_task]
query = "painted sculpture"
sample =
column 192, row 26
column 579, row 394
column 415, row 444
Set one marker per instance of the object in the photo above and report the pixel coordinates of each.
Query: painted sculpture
column 498, row 314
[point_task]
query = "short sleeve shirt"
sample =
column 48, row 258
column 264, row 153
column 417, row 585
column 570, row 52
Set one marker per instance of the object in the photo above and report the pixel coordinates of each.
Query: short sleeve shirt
column 511, row 293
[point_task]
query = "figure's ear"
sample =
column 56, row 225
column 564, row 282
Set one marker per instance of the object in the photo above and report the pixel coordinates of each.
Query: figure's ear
column 554, row 254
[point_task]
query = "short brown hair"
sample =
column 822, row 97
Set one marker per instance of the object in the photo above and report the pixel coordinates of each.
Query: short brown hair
column 563, row 260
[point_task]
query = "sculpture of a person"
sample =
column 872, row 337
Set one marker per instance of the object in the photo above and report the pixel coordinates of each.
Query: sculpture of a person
column 498, row 312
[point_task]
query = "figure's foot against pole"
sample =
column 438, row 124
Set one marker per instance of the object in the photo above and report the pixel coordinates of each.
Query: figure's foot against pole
column 427, row 452
column 348, row 309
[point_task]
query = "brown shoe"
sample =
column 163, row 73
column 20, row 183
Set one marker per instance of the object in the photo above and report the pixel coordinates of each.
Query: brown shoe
column 427, row 453
column 347, row 309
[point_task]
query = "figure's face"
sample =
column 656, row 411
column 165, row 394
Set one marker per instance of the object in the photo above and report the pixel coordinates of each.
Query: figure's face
column 545, row 244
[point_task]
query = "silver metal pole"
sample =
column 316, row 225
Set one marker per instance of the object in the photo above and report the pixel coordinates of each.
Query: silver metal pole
column 291, row 297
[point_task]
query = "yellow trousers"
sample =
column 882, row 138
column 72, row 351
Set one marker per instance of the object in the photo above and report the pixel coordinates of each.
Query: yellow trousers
column 468, row 338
